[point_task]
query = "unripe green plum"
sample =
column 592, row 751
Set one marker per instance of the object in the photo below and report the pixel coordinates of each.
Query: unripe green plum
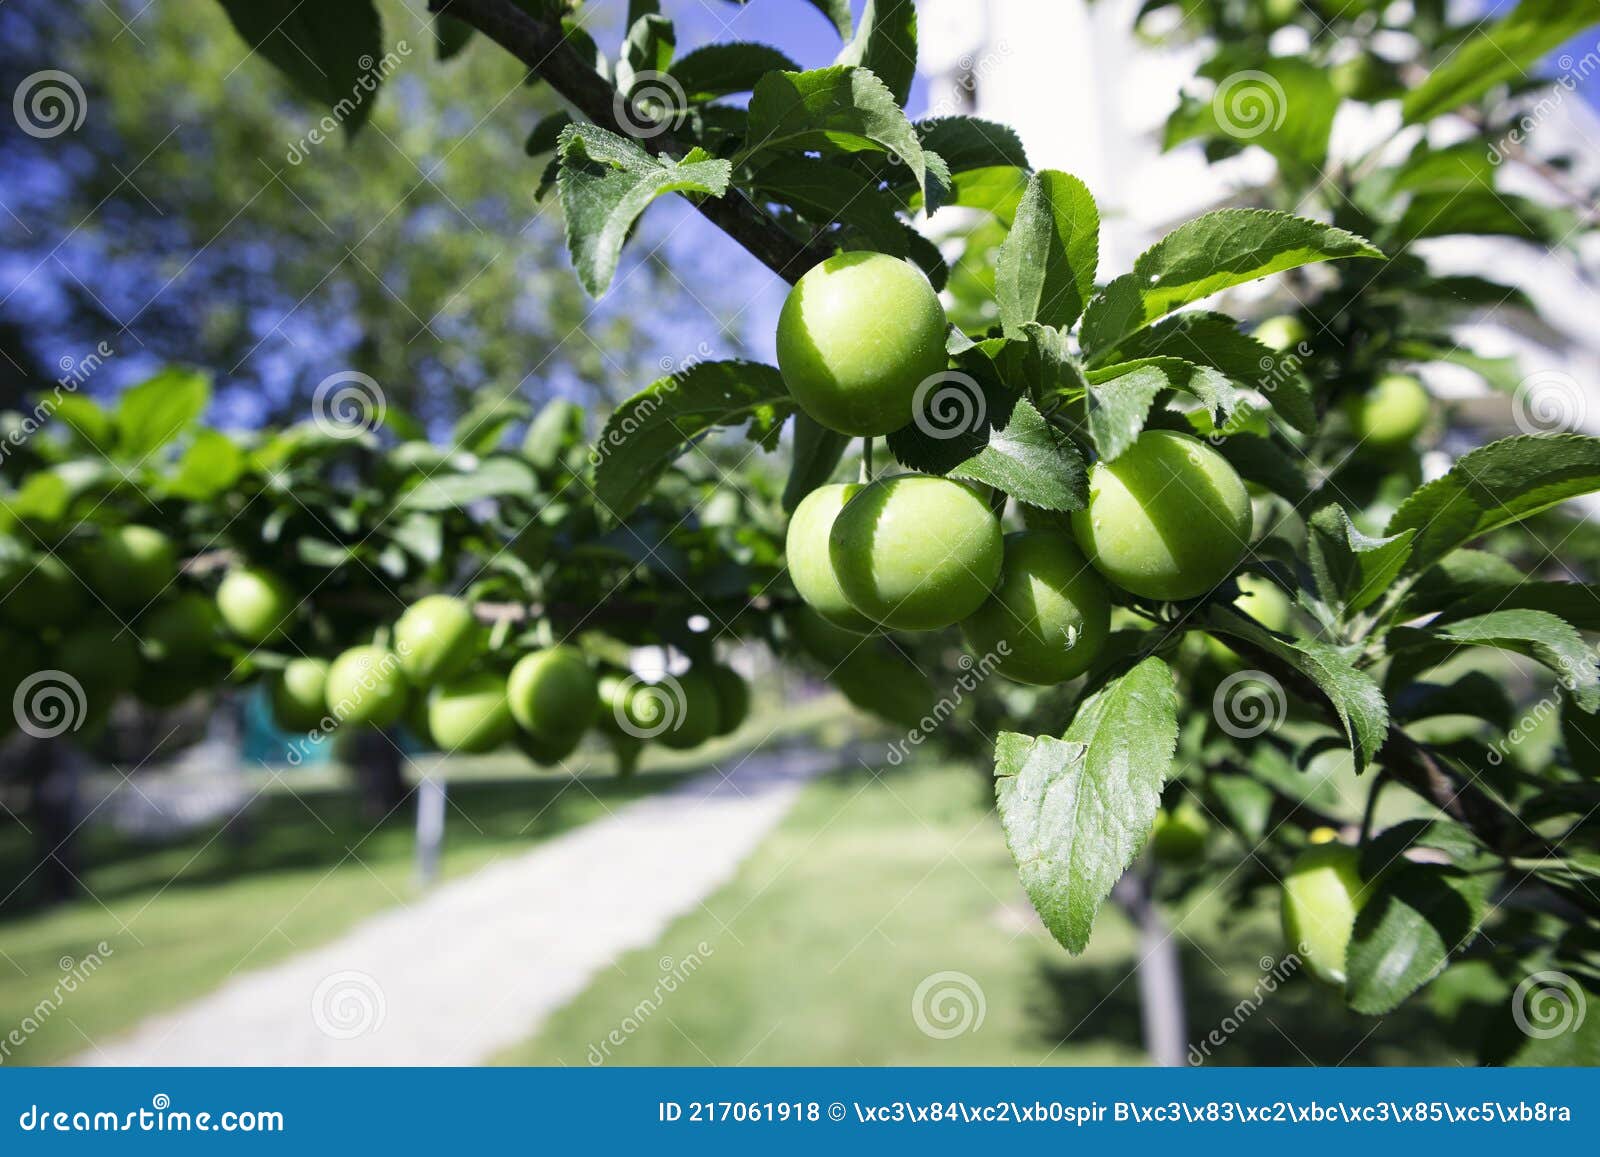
column 366, row 687
column 255, row 604
column 1283, row 332
column 554, row 694
column 694, row 710
column 1179, row 836
column 810, row 564
column 437, row 638
column 1049, row 616
column 1169, row 519
column 130, row 565
column 470, row 714
column 547, row 751
column 300, row 694
column 733, row 697
column 182, row 629
column 916, row 553
column 42, row 592
column 1323, row 893
column 822, row 640
column 1391, row 414
column 858, row 334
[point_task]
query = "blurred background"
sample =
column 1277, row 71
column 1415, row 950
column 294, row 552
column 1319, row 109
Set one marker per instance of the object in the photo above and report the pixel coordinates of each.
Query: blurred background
column 798, row 893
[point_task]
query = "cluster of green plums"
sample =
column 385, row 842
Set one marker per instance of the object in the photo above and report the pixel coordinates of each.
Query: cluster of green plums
column 1168, row 519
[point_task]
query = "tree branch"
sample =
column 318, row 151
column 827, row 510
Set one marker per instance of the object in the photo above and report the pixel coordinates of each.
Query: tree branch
column 542, row 46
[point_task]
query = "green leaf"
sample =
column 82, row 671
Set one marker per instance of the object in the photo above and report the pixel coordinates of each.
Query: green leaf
column 1577, row 603
column 1355, row 698
column 1076, row 810
column 831, row 110
column 886, row 43
column 837, row 12
column 1496, row 485
column 453, row 35
column 151, row 414
column 1577, row 1045
column 1476, row 694
column 1506, row 51
column 209, row 467
column 606, row 181
column 647, row 432
column 1259, row 460
column 481, row 429
column 969, row 143
column 546, row 135
column 1213, row 252
column 1120, row 396
column 1415, row 917
column 1283, row 104
column 496, row 477
column 817, row 451
column 646, row 51
column 1047, row 264
column 1483, row 212
column 1350, row 568
column 826, row 193
column 331, row 50
column 1537, row 634
column 89, row 420
column 720, row 69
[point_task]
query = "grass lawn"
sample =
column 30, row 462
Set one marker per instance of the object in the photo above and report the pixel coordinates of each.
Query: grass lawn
column 814, row 953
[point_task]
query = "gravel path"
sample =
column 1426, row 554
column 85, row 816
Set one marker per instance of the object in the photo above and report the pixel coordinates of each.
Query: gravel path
column 478, row 963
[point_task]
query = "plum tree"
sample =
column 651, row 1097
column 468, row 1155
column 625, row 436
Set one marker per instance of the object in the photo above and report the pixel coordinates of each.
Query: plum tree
column 1168, row 519
column 437, row 639
column 916, row 553
column 1323, row 892
column 553, row 694
column 300, row 694
column 366, row 687
column 811, row 566
column 255, row 604
column 130, row 565
column 858, row 334
column 470, row 714
column 1389, row 415
column 1048, row 618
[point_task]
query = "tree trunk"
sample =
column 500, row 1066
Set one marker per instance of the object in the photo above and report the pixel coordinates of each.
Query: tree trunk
column 53, row 788
column 1160, row 973
column 379, row 773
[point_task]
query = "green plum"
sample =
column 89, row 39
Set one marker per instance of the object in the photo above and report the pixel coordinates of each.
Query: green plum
column 366, row 687
column 1050, row 615
column 300, row 694
column 470, row 715
column 1323, row 893
column 810, row 565
column 554, row 694
column 1391, row 414
column 131, row 565
column 733, row 697
column 255, row 604
column 437, row 638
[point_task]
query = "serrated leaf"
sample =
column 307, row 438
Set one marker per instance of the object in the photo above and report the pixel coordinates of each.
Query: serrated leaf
column 827, row 194
column 1077, row 810
column 151, row 414
column 1537, row 634
column 1495, row 485
column 1475, row 693
column 716, row 70
column 886, row 43
column 606, row 181
column 1351, row 569
column 1507, row 50
column 646, row 51
column 1415, row 916
column 830, row 110
column 817, row 451
column 1577, row 603
column 648, row 431
column 546, row 134
column 209, row 466
column 1120, row 396
column 1047, row 263
column 1211, row 253
column 968, row 143
column 1283, row 104
column 327, row 49
column 1259, row 460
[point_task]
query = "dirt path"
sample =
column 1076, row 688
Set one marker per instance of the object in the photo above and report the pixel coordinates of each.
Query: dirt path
column 478, row 963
